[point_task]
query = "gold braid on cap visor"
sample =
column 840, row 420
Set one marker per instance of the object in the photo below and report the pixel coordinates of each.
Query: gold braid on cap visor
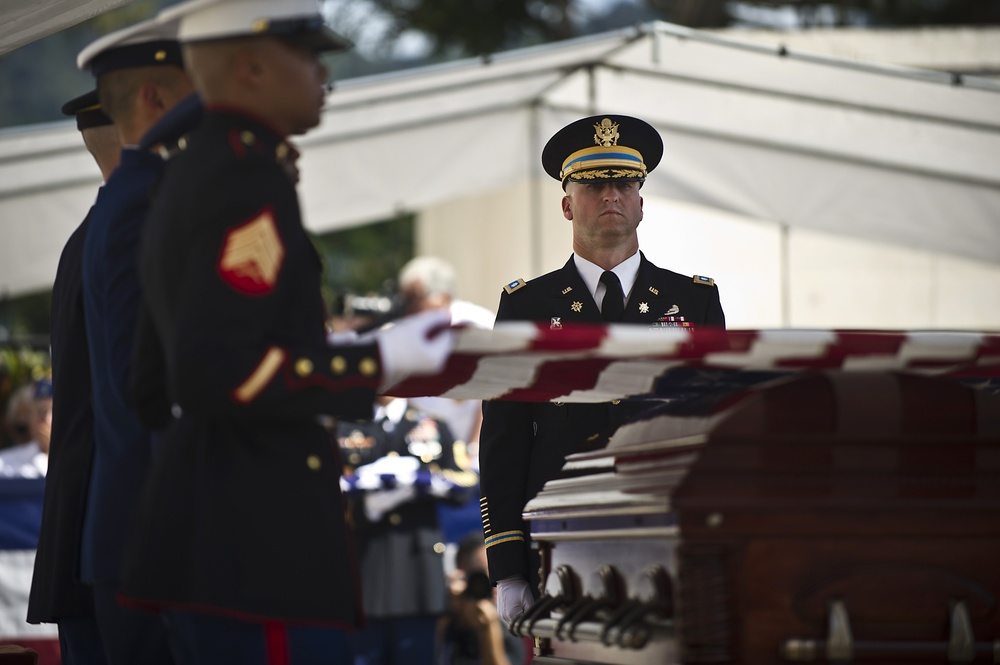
column 611, row 162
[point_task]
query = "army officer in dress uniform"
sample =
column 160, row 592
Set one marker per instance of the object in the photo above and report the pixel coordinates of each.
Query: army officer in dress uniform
column 398, row 468
column 240, row 539
column 601, row 162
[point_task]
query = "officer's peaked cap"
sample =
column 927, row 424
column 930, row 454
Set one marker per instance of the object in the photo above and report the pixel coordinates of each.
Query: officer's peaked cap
column 298, row 21
column 150, row 43
column 87, row 110
column 603, row 148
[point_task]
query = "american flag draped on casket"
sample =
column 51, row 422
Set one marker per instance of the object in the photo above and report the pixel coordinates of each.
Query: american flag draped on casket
column 694, row 369
column 20, row 519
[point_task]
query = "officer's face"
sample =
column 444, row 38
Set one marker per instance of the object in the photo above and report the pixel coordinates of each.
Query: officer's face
column 605, row 214
column 297, row 78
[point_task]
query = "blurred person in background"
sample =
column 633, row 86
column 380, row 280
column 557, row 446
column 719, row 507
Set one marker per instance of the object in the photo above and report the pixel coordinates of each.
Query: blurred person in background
column 31, row 458
column 16, row 417
column 398, row 468
column 427, row 283
column 472, row 633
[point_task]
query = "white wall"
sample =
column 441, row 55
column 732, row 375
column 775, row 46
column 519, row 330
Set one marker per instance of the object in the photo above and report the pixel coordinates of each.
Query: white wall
column 832, row 281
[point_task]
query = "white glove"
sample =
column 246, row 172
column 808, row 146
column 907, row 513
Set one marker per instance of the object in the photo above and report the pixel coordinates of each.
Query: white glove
column 408, row 348
column 343, row 337
column 514, row 597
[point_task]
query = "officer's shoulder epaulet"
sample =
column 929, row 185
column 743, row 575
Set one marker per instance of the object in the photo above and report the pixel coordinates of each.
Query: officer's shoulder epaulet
column 707, row 281
column 510, row 287
column 170, row 130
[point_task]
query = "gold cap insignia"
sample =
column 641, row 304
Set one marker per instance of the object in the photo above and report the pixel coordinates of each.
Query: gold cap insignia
column 606, row 133
column 252, row 256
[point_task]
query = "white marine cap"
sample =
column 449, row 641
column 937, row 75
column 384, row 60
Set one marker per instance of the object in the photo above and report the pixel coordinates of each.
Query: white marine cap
column 298, row 21
column 148, row 43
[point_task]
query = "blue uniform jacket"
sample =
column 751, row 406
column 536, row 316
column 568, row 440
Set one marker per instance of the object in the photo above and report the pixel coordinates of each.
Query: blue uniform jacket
column 56, row 590
column 111, row 296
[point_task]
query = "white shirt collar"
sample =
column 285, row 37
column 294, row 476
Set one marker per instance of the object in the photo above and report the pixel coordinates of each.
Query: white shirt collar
column 627, row 271
column 393, row 411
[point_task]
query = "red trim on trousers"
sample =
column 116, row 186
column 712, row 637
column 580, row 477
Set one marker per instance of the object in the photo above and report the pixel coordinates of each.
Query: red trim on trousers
column 276, row 636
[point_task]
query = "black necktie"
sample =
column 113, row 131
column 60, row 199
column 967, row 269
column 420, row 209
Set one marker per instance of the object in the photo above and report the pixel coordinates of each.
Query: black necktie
column 614, row 300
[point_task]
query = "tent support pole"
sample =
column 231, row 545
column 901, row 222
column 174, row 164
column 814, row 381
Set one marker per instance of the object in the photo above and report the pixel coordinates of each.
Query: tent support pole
column 786, row 296
column 535, row 194
column 591, row 91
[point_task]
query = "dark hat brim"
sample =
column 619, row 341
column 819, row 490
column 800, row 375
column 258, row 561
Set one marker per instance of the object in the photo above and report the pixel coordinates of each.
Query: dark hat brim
column 153, row 53
column 323, row 41
column 77, row 104
column 309, row 32
column 87, row 110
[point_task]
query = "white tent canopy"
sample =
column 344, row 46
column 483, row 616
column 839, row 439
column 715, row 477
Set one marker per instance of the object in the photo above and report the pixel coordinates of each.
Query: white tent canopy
column 907, row 157
column 24, row 21
column 886, row 153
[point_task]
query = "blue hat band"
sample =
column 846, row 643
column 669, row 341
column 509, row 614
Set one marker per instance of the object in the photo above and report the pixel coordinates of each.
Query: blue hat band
column 614, row 160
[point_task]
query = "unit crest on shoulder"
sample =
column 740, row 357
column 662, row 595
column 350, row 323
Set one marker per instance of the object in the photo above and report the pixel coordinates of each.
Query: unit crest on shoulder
column 510, row 287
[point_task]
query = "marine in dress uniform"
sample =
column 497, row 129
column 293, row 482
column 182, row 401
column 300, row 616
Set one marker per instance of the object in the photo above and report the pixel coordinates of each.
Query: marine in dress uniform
column 400, row 542
column 241, row 539
column 523, row 445
column 140, row 70
column 57, row 593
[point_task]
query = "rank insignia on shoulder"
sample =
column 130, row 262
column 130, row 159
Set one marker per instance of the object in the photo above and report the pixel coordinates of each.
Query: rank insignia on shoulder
column 252, row 255
column 513, row 286
column 708, row 281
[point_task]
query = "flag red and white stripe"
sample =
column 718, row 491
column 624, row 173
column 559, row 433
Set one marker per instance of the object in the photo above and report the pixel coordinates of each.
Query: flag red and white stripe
column 530, row 362
column 20, row 519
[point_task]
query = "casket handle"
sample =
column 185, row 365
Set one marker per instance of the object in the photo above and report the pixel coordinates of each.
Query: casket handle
column 610, row 585
column 840, row 646
column 560, row 590
column 655, row 596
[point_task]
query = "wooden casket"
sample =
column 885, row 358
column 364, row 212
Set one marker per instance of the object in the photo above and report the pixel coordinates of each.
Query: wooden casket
column 826, row 517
